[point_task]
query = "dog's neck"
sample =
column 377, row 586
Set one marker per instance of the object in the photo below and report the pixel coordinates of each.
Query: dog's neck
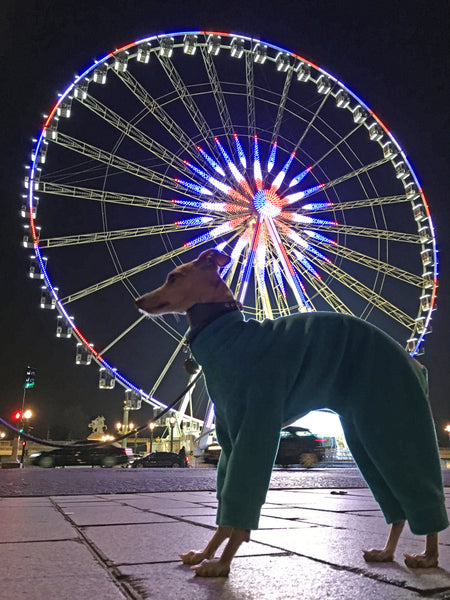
column 202, row 314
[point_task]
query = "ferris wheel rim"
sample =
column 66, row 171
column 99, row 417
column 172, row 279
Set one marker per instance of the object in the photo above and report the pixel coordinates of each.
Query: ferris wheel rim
column 34, row 166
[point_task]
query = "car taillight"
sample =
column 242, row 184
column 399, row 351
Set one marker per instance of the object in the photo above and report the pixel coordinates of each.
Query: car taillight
column 128, row 451
column 321, row 440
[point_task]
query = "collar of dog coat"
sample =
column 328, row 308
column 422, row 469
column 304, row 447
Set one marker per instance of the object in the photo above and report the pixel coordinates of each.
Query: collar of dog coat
column 202, row 314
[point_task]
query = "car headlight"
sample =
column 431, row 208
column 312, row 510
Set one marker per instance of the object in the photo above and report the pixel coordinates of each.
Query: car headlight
column 35, row 454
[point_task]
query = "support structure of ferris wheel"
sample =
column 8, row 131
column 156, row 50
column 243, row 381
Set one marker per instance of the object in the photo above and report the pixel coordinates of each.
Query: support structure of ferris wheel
column 177, row 142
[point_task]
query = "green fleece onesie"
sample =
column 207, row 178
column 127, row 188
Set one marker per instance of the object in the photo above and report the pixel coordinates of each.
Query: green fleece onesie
column 263, row 375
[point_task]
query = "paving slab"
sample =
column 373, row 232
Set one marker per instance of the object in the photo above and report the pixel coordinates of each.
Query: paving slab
column 27, row 523
column 58, row 570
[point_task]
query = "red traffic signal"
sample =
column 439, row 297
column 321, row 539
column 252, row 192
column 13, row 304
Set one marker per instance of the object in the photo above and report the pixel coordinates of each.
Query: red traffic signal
column 18, row 415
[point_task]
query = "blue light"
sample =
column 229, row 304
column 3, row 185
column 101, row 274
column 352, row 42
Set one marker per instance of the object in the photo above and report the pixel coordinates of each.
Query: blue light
column 240, row 151
column 296, row 180
column 319, row 237
column 194, row 187
column 223, row 152
column 305, row 262
column 317, row 205
column 278, row 277
column 280, row 177
column 202, row 174
column 210, row 160
column 272, row 157
column 194, row 221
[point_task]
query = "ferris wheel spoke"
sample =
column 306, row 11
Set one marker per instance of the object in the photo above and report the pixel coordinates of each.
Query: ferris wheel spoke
column 218, row 94
column 310, row 124
column 167, row 328
column 355, row 204
column 130, row 272
column 289, row 272
column 281, row 106
column 318, row 284
column 159, row 113
column 118, row 162
column 132, row 132
column 188, row 101
column 366, row 293
column 250, row 89
column 122, row 335
column 122, row 234
column 372, row 263
column 369, row 232
column 188, row 207
column 175, row 353
column 355, row 173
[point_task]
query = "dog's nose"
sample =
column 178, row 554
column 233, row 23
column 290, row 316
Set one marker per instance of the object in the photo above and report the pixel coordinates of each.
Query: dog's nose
column 138, row 302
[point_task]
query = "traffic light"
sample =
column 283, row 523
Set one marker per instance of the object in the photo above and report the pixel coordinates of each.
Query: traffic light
column 18, row 415
column 29, row 377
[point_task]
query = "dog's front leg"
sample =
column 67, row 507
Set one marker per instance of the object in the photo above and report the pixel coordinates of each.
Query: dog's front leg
column 194, row 558
column 387, row 554
column 221, row 567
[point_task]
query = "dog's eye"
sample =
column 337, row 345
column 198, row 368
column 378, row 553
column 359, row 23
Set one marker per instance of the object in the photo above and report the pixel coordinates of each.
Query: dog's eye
column 172, row 278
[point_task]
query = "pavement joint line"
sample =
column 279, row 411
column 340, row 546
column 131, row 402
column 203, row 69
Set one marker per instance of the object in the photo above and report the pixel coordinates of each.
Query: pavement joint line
column 114, row 574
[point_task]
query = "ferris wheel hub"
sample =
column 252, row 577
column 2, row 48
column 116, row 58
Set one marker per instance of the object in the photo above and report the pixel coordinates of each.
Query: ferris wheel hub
column 267, row 203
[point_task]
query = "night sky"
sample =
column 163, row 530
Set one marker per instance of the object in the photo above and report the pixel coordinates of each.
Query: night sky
column 393, row 54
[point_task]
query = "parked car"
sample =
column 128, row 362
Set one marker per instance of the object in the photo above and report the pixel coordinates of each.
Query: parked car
column 162, row 459
column 86, row 452
column 299, row 446
column 212, row 453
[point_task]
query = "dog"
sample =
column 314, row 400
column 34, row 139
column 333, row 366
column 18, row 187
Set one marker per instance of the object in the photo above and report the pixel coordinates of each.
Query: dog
column 262, row 376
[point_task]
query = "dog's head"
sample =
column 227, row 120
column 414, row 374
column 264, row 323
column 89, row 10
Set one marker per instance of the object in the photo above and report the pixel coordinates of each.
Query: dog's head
column 189, row 284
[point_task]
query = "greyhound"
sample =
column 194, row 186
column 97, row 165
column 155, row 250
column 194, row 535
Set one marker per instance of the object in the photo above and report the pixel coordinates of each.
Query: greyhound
column 264, row 375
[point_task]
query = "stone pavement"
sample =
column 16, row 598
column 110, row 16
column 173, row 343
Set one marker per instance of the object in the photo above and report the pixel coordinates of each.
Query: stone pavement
column 117, row 546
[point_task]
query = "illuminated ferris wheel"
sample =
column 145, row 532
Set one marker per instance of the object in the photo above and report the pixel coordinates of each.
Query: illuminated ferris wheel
column 180, row 142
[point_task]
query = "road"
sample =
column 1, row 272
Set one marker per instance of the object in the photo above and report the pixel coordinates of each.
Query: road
column 79, row 481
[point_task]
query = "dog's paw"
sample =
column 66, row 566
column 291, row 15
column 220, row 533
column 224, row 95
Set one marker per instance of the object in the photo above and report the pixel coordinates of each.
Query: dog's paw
column 192, row 557
column 212, row 568
column 421, row 561
column 377, row 556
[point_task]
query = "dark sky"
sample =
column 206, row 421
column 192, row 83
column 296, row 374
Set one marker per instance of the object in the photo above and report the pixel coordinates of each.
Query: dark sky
column 393, row 54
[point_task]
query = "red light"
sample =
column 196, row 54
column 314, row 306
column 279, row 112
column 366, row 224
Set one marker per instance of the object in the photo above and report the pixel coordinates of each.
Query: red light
column 18, row 415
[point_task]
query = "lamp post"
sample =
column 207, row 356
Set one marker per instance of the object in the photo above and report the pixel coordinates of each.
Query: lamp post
column 152, row 427
column 27, row 416
column 172, row 424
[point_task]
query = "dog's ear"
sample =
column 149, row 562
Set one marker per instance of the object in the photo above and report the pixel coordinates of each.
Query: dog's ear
column 213, row 258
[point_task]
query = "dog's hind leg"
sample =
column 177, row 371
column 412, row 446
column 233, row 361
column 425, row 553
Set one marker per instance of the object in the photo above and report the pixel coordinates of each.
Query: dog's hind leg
column 194, row 557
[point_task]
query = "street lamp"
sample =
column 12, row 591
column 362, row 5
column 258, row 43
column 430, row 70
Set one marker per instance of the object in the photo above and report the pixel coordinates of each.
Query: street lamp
column 172, row 424
column 152, row 427
column 447, row 429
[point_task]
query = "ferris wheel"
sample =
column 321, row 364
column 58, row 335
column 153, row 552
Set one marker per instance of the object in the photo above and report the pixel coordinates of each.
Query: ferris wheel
column 180, row 142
